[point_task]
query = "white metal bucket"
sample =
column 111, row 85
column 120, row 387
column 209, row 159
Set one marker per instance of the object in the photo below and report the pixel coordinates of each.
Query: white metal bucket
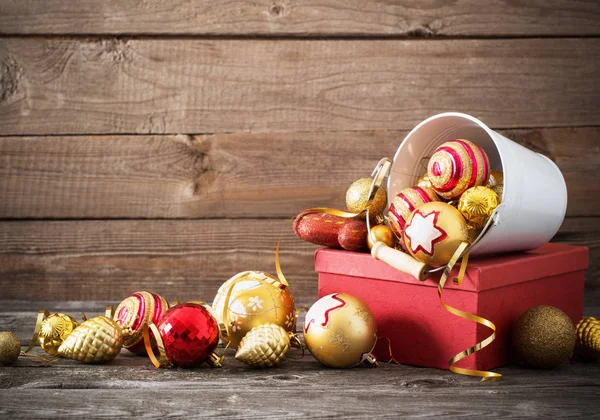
column 534, row 201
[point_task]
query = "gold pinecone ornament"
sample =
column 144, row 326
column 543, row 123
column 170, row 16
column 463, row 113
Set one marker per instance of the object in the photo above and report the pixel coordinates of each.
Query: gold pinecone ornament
column 588, row 339
column 264, row 346
column 97, row 340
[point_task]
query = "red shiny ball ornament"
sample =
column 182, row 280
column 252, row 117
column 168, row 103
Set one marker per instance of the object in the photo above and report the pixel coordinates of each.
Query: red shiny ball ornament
column 189, row 333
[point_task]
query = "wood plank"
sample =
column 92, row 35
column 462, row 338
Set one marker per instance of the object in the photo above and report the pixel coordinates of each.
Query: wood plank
column 131, row 386
column 102, row 86
column 313, row 18
column 232, row 175
column 181, row 259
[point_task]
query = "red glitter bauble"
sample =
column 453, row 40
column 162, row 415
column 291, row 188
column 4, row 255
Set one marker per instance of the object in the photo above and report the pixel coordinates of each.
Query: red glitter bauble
column 189, row 333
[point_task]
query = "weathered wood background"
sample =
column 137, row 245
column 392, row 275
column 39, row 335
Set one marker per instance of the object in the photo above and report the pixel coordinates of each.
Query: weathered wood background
column 167, row 145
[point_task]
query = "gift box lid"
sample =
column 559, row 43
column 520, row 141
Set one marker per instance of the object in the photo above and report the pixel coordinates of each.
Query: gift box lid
column 483, row 272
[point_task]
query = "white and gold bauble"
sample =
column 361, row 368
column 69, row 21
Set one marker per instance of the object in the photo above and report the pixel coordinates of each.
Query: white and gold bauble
column 250, row 299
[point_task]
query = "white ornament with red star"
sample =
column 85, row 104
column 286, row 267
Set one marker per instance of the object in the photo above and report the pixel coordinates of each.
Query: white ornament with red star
column 433, row 233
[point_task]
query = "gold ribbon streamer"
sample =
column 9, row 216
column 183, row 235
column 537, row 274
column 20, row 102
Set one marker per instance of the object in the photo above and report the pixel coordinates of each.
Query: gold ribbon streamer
column 42, row 315
column 378, row 175
column 471, row 372
column 163, row 361
column 109, row 311
column 280, row 275
column 392, row 359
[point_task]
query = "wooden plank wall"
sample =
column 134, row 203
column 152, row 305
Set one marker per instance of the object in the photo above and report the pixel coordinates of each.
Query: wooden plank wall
column 167, row 145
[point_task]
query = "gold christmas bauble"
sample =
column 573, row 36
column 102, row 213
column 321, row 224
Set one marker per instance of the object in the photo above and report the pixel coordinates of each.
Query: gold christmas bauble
column 434, row 232
column 340, row 330
column 496, row 178
column 424, row 182
column 357, row 197
column 264, row 346
column 477, row 205
column 381, row 233
column 10, row 348
column 96, row 340
column 499, row 190
column 588, row 339
column 544, row 337
column 256, row 298
column 54, row 330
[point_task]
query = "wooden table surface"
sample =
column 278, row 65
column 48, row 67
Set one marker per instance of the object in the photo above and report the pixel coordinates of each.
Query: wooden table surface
column 131, row 386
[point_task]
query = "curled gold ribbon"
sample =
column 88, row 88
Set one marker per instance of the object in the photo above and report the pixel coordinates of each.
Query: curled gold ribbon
column 162, row 361
column 392, row 359
column 378, row 175
column 109, row 311
column 42, row 315
column 485, row 375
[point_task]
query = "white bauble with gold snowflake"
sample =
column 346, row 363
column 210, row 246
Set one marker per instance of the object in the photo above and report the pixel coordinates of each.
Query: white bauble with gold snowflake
column 255, row 298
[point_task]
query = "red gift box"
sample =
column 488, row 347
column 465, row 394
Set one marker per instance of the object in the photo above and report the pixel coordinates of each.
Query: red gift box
column 499, row 288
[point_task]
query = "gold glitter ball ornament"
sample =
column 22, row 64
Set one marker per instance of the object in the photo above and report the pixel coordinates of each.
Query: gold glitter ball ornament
column 264, row 346
column 477, row 205
column 434, row 232
column 587, row 346
column 381, row 233
column 255, row 298
column 357, row 197
column 10, row 348
column 340, row 331
column 54, row 330
column 544, row 337
column 97, row 340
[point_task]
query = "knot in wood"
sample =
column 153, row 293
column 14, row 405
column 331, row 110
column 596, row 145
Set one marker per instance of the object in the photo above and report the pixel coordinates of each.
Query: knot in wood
column 276, row 9
column 11, row 75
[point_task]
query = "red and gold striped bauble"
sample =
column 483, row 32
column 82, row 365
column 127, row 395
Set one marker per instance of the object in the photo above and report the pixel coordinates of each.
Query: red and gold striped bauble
column 456, row 166
column 405, row 203
column 135, row 311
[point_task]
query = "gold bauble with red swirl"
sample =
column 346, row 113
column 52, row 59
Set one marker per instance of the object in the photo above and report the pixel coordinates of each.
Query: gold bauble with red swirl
column 405, row 202
column 434, row 232
column 255, row 298
column 456, row 166
column 340, row 330
column 134, row 312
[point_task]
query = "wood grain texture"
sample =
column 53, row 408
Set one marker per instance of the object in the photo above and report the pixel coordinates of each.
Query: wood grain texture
column 102, row 86
column 131, row 386
column 181, row 259
column 232, row 175
column 302, row 18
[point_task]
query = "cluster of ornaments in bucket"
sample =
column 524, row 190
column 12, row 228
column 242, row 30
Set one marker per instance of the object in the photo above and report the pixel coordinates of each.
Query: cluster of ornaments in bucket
column 449, row 205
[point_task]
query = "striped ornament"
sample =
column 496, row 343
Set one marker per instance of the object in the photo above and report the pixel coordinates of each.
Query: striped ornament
column 135, row 311
column 456, row 166
column 405, row 203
